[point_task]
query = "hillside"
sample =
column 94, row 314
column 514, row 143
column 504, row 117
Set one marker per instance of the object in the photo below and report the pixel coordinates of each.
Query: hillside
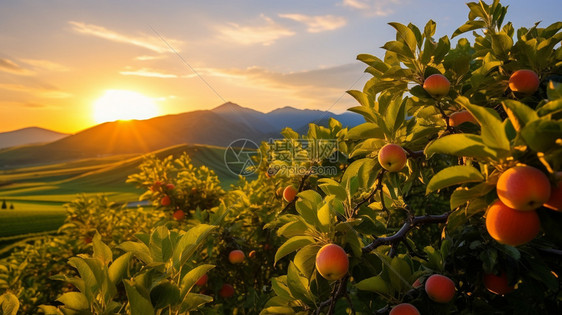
column 30, row 135
column 59, row 183
column 218, row 127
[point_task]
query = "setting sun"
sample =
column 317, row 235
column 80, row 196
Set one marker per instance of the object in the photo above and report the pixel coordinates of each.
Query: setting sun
column 123, row 105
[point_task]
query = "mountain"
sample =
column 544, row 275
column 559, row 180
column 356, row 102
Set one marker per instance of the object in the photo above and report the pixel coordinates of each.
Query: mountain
column 219, row 127
column 30, row 135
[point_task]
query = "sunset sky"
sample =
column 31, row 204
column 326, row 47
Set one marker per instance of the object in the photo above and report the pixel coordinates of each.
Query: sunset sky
column 57, row 58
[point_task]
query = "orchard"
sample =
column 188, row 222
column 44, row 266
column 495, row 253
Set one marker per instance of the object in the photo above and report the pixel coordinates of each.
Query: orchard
column 446, row 201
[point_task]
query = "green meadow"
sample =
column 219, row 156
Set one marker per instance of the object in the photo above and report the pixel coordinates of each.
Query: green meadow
column 39, row 192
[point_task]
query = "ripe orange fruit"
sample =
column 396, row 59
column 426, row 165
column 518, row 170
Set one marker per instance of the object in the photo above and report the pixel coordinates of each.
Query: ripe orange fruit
column 510, row 226
column 440, row 289
column 404, row 309
column 437, row 85
column 178, row 215
column 392, row 157
column 523, row 188
column 202, row 281
column 524, row 81
column 226, row 291
column 236, row 256
column 165, row 201
column 289, row 193
column 458, row 118
column 497, row 284
column 332, row 262
column 170, row 186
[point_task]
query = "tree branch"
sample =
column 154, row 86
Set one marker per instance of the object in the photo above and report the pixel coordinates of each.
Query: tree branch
column 408, row 225
column 339, row 290
column 379, row 186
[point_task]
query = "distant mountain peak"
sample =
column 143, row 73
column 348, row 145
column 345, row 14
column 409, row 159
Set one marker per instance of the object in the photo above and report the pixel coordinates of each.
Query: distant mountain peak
column 227, row 107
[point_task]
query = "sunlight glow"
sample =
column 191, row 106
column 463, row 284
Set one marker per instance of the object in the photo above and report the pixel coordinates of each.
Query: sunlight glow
column 123, row 105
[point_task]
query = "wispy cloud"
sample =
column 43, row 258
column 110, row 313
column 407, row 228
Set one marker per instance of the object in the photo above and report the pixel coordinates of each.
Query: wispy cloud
column 317, row 23
column 265, row 34
column 40, row 91
column 143, row 40
column 145, row 72
column 374, row 7
column 148, row 57
column 45, row 64
column 10, row 66
column 314, row 88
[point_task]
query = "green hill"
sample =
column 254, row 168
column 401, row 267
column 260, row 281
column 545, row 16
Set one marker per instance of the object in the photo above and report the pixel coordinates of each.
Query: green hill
column 41, row 191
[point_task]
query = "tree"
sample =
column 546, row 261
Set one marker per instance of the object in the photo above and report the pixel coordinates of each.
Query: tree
column 4, row 206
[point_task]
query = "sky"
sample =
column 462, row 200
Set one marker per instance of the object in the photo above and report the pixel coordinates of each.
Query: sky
column 59, row 58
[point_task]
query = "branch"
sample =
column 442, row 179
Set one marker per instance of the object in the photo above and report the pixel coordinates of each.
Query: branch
column 446, row 117
column 408, row 225
column 414, row 154
column 339, row 290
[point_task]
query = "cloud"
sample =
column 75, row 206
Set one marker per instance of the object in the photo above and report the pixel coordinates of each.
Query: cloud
column 9, row 66
column 318, row 23
column 316, row 88
column 265, row 34
column 39, row 90
column 144, row 72
column 145, row 41
column 373, row 7
column 148, row 57
column 45, row 64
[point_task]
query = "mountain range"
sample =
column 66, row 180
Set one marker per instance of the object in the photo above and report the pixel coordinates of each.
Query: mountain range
column 30, row 135
column 219, row 126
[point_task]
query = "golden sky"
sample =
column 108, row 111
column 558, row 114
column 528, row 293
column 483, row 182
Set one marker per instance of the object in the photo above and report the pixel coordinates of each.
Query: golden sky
column 58, row 57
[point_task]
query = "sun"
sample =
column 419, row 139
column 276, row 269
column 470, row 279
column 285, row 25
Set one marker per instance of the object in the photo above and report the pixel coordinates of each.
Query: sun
column 123, row 105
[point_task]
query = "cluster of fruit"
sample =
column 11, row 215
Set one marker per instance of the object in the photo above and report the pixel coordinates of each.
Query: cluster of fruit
column 165, row 201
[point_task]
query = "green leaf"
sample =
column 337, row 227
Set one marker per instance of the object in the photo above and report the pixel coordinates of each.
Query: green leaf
column 541, row 135
column 139, row 304
column 334, row 188
column 298, row 286
column 462, row 195
column 460, row 145
column 365, row 131
column 87, row 275
column 307, row 206
column 101, row 251
column 374, row 284
column 193, row 301
column 305, row 259
column 493, row 135
column 551, row 108
column 119, row 268
column 469, row 26
column 189, row 242
column 160, row 244
column 293, row 228
column 519, row 114
column 454, row 175
column 400, row 48
column 501, row 44
column 292, row 245
column 139, row 250
column 9, row 303
column 364, row 169
column 164, row 294
column 429, row 29
column 406, row 35
column 190, row 278
column 74, row 300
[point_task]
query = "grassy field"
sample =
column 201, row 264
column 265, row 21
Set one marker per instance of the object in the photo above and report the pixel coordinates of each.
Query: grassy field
column 38, row 193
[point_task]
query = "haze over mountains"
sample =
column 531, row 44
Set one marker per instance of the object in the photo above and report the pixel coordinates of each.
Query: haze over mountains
column 219, row 126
